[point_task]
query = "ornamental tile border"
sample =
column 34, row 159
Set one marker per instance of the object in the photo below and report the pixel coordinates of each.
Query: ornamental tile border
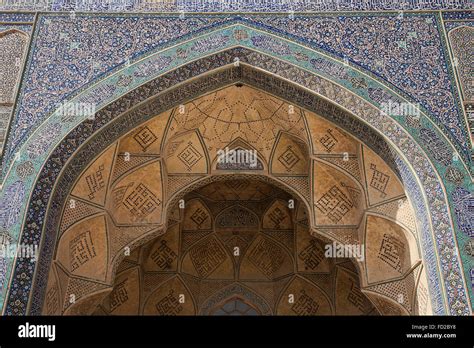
column 452, row 25
column 16, row 17
column 22, row 27
column 235, row 5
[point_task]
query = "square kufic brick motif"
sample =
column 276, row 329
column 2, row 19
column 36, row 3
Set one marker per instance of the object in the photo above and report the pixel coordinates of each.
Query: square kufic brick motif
column 141, row 201
column 392, row 251
column 328, row 140
column 289, row 158
column 334, row 204
column 145, row 138
column 379, row 180
column 81, row 250
column 190, row 156
column 199, row 216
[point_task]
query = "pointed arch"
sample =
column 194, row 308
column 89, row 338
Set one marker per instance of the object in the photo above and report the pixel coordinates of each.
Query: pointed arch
column 279, row 77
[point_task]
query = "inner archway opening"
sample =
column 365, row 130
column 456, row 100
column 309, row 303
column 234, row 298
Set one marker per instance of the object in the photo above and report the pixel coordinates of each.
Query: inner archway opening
column 236, row 247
